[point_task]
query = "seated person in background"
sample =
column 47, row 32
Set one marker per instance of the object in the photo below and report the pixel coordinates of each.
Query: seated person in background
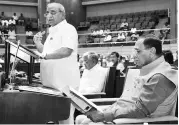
column 93, row 78
column 107, row 38
column 28, row 24
column 156, row 88
column 5, row 30
column 121, row 37
column 29, row 36
column 5, row 22
column 134, row 36
column 3, row 17
column 116, row 61
column 12, row 22
column 123, row 24
column 12, row 35
column 15, row 17
column 21, row 20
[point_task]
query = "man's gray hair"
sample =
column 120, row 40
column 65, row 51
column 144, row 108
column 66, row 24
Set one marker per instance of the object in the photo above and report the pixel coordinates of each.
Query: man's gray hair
column 91, row 55
column 60, row 7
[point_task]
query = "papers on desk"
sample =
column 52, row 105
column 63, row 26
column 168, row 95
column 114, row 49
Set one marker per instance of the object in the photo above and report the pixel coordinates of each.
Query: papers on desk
column 43, row 90
column 80, row 102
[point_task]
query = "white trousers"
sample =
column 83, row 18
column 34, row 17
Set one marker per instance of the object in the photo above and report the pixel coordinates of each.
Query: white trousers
column 70, row 120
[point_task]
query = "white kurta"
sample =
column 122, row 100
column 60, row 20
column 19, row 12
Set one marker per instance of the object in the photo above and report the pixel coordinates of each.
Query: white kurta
column 57, row 73
column 92, row 81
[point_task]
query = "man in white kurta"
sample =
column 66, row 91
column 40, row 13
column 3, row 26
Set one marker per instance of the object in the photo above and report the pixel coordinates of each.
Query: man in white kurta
column 59, row 66
column 94, row 76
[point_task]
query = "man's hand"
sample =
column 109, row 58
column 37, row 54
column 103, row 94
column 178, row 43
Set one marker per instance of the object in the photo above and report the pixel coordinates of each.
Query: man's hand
column 38, row 37
column 95, row 116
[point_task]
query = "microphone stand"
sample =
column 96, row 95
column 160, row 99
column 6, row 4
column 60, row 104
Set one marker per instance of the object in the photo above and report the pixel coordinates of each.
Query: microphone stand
column 13, row 64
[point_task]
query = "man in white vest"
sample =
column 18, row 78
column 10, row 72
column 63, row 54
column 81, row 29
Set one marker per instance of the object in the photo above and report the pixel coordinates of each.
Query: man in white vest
column 59, row 66
column 155, row 93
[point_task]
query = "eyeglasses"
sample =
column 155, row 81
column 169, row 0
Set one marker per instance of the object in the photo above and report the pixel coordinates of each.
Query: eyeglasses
column 51, row 12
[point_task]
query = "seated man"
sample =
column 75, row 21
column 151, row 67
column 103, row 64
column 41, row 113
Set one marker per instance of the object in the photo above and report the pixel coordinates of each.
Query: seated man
column 107, row 38
column 116, row 61
column 93, row 78
column 156, row 91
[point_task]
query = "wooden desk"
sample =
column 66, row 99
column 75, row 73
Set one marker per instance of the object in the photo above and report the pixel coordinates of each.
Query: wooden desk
column 32, row 108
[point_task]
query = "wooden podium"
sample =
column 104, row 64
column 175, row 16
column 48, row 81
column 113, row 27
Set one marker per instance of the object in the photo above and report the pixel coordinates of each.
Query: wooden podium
column 30, row 107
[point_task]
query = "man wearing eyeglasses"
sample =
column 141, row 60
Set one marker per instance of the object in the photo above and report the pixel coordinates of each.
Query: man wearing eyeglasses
column 154, row 93
column 59, row 66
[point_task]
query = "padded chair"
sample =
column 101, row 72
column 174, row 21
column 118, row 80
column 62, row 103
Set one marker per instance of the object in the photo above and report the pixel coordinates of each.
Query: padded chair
column 114, row 39
column 96, row 40
column 127, row 91
column 113, row 27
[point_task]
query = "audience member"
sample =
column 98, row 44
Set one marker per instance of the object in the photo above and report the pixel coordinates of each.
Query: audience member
column 12, row 35
column 107, row 38
column 116, row 60
column 156, row 79
column 21, row 19
column 134, row 36
column 5, row 29
column 123, row 24
column 5, row 22
column 93, row 78
column 28, row 24
column 168, row 56
column 29, row 36
column 3, row 17
column 12, row 22
column 15, row 17
column 121, row 37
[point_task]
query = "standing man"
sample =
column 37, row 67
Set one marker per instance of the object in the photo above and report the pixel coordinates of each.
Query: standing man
column 59, row 65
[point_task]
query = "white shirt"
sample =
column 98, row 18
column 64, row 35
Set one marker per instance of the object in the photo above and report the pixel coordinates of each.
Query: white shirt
column 92, row 81
column 12, row 21
column 29, row 33
column 58, row 73
column 12, row 34
column 121, row 36
column 5, row 21
column 120, row 66
column 107, row 38
column 15, row 17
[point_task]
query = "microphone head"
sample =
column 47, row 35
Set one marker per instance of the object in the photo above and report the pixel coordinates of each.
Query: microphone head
column 18, row 42
column 43, row 32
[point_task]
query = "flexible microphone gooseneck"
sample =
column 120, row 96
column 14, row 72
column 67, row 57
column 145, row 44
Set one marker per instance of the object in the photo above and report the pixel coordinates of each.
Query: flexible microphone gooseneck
column 13, row 64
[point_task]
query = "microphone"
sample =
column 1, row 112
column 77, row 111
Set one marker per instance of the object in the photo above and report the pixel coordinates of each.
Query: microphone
column 13, row 64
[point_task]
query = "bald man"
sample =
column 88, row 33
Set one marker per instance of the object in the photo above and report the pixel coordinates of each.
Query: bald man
column 59, row 65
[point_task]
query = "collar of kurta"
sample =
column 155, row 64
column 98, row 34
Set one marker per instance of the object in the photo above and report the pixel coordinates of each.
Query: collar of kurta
column 148, row 68
column 54, row 29
column 94, row 67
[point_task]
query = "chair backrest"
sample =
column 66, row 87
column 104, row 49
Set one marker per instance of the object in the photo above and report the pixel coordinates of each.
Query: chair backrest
column 110, row 83
column 128, row 86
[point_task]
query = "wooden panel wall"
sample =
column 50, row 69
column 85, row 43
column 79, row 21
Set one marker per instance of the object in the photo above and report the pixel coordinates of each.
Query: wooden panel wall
column 75, row 12
column 127, row 7
column 31, row 1
column 28, row 11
